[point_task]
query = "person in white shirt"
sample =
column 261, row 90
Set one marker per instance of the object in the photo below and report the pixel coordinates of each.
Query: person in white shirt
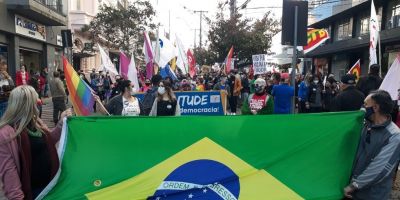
column 124, row 104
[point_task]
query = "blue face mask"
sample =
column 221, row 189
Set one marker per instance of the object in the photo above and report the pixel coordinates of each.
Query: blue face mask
column 369, row 111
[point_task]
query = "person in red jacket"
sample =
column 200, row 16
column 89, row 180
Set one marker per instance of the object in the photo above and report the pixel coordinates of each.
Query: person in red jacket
column 22, row 77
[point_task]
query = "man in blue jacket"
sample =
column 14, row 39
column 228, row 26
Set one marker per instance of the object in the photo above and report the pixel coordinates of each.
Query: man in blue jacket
column 283, row 94
column 378, row 151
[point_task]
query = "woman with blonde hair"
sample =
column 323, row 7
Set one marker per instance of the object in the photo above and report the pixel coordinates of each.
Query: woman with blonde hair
column 28, row 156
column 165, row 103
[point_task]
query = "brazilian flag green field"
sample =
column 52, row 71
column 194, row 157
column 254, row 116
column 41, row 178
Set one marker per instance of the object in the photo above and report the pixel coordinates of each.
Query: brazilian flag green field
column 277, row 157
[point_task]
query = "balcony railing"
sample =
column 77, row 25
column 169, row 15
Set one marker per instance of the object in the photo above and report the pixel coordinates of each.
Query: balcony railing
column 54, row 5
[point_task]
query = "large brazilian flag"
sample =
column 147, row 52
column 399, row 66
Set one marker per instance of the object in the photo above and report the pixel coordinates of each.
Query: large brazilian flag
column 278, row 157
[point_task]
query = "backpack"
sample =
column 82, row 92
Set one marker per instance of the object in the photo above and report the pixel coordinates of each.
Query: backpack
column 148, row 100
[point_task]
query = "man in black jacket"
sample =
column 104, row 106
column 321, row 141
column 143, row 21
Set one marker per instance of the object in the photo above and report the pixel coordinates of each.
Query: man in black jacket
column 371, row 82
column 349, row 99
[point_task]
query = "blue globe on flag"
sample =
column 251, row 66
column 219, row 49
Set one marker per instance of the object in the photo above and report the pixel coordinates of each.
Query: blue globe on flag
column 199, row 179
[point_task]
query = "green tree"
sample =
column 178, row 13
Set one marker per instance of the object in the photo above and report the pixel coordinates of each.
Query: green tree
column 247, row 38
column 123, row 28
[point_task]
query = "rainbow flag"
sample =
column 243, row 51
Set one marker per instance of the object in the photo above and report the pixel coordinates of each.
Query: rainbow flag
column 81, row 94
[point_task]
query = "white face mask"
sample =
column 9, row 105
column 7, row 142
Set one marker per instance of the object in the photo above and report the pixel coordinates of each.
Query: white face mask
column 161, row 90
column 316, row 81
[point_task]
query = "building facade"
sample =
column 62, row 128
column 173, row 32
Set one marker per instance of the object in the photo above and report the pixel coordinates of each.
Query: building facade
column 30, row 34
column 348, row 25
column 85, row 52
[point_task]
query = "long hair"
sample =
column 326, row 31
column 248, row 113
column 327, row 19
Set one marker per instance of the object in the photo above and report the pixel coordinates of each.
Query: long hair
column 21, row 109
column 168, row 89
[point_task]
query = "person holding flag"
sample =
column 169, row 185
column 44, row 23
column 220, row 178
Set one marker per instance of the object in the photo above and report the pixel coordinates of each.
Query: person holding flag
column 27, row 143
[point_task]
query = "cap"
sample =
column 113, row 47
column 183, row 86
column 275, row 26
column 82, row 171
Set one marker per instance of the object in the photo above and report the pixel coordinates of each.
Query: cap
column 260, row 82
column 348, row 79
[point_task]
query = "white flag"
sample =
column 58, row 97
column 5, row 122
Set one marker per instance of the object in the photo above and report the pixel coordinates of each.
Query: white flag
column 182, row 60
column 167, row 51
column 374, row 35
column 106, row 62
column 133, row 75
column 391, row 83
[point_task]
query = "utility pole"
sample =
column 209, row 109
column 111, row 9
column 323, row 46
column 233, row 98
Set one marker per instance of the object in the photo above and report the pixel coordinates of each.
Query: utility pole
column 194, row 42
column 201, row 20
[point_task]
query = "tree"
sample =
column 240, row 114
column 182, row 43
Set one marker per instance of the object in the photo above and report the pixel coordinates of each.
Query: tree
column 123, row 28
column 246, row 38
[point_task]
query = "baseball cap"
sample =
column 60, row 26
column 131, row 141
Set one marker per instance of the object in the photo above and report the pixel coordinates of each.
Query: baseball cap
column 260, row 82
column 348, row 79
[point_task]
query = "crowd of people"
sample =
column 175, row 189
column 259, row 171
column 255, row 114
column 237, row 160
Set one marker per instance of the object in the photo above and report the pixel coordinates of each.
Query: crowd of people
column 28, row 158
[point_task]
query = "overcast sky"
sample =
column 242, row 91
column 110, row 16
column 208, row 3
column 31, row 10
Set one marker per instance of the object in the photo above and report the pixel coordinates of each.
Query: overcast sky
column 184, row 21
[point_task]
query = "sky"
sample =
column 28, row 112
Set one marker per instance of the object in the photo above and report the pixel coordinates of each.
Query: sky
column 178, row 16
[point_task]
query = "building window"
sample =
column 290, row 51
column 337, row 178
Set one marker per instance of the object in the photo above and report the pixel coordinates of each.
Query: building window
column 364, row 25
column 344, row 29
column 393, row 14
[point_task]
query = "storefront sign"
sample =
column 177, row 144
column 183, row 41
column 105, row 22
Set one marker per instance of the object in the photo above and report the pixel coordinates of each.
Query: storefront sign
column 199, row 103
column 29, row 28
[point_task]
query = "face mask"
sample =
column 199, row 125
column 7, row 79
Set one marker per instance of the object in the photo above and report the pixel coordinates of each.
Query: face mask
column 147, row 84
column 259, row 89
column 161, row 90
column 316, row 81
column 369, row 111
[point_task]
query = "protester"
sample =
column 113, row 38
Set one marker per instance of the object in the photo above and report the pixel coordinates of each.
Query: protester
column 151, row 94
column 115, row 88
column 378, row 151
column 6, row 82
column 371, row 82
column 350, row 98
column 185, row 85
column 329, row 92
column 93, row 74
column 147, row 85
column 22, row 77
column 58, row 96
column 314, row 103
column 246, row 87
column 221, row 85
column 123, row 104
column 35, row 83
column 283, row 94
column 235, row 86
column 28, row 155
column 165, row 103
column 304, row 93
column 259, row 103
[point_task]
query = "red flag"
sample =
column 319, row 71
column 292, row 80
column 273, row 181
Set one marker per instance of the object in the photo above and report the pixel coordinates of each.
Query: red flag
column 192, row 63
column 315, row 38
column 356, row 69
column 228, row 61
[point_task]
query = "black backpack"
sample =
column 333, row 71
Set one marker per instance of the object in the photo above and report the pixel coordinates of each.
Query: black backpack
column 148, row 100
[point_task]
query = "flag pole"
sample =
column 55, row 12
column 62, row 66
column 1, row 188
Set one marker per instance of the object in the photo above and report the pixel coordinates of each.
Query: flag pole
column 380, row 54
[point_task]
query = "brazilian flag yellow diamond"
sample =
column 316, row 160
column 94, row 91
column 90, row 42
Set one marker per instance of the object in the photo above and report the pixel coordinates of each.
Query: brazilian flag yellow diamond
column 204, row 170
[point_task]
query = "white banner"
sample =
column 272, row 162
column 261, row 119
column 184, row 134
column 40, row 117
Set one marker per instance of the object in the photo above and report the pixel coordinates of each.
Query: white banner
column 260, row 64
column 30, row 28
